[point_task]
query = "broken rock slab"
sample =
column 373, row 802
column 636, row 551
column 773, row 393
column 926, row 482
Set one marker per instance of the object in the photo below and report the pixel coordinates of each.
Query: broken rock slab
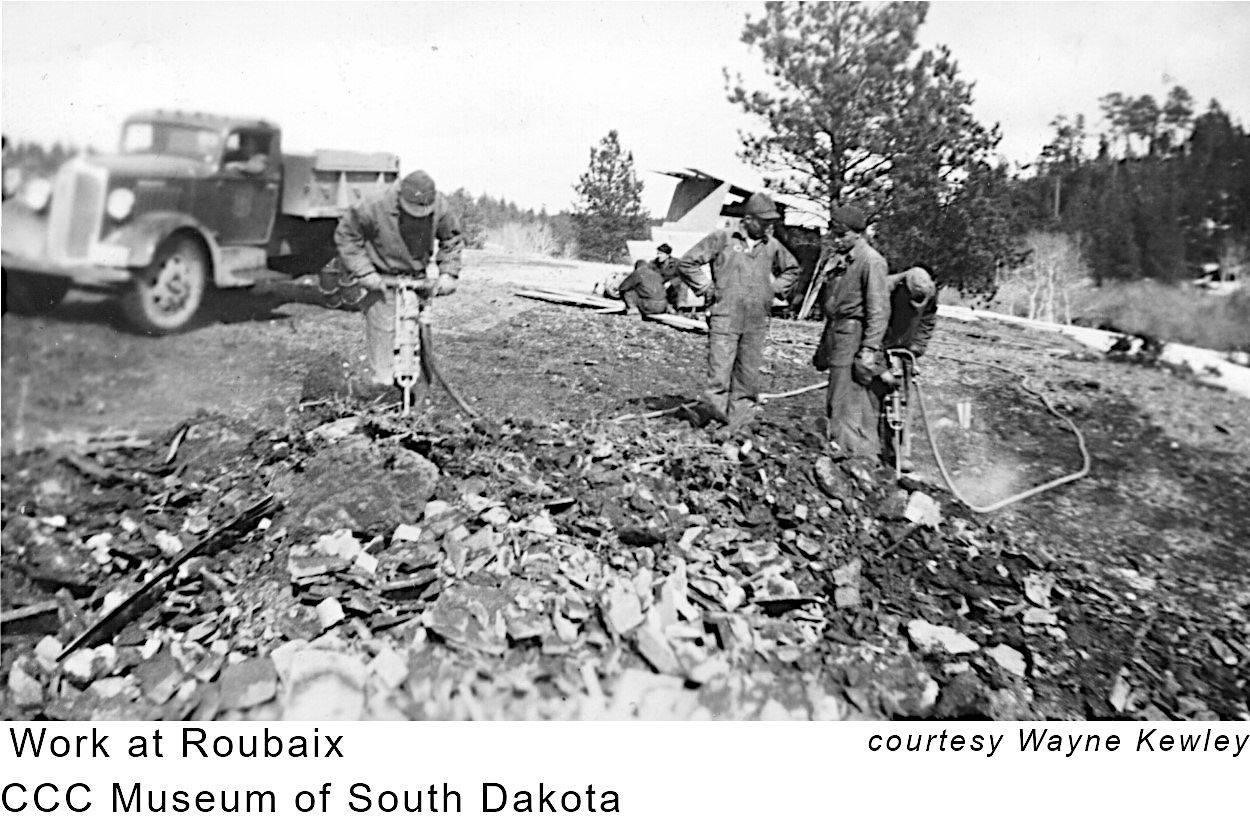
column 24, row 688
column 923, row 509
column 247, row 684
column 654, row 647
column 319, row 684
column 933, row 637
column 1009, row 658
column 621, row 608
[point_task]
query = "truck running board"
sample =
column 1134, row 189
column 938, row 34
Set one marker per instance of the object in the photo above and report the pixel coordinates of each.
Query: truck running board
column 241, row 267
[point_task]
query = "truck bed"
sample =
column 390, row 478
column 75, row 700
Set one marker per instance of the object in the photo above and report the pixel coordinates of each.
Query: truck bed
column 324, row 183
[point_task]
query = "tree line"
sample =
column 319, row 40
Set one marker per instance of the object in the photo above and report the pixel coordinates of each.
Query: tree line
column 856, row 111
column 1165, row 193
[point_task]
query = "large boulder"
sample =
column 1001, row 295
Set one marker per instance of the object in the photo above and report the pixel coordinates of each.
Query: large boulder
column 355, row 485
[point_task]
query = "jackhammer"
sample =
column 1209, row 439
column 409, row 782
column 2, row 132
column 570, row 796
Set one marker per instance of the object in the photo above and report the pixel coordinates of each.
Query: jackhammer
column 900, row 373
column 414, row 347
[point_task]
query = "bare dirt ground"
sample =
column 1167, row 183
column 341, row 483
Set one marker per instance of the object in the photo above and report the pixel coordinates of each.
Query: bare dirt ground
column 1159, row 530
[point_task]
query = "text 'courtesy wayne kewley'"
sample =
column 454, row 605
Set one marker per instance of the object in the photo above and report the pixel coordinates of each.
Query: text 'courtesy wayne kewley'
column 1040, row 740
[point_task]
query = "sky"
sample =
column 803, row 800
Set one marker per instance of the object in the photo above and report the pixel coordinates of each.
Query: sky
column 508, row 98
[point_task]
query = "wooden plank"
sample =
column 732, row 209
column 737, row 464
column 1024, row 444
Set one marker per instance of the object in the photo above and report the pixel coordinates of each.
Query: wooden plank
column 681, row 323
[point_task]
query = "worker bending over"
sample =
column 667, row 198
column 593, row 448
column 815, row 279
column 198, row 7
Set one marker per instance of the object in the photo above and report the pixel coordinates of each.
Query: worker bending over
column 394, row 232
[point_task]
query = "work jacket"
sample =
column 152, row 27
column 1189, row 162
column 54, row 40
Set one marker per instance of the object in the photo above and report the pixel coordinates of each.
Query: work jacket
column 856, row 302
column 369, row 241
column 744, row 279
column 648, row 283
column 910, row 326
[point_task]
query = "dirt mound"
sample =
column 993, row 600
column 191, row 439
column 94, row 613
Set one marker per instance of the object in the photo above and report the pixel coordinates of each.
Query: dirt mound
column 439, row 569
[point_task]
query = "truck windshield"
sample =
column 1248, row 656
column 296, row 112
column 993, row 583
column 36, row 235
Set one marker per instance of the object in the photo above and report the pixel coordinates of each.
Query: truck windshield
column 168, row 138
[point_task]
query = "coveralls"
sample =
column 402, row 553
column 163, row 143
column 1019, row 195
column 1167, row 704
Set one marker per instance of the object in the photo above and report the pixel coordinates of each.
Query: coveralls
column 856, row 305
column 746, row 275
column 643, row 290
column 373, row 238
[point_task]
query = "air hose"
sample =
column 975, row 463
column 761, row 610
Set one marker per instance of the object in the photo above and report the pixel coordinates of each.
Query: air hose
column 432, row 373
column 937, row 456
column 1018, row 497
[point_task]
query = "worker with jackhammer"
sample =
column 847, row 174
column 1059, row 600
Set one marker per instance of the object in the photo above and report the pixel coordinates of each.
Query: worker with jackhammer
column 856, row 303
column 913, row 316
column 395, row 233
column 749, row 268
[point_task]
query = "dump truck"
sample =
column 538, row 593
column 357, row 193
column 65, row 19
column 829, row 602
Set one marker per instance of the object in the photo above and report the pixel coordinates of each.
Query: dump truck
column 190, row 204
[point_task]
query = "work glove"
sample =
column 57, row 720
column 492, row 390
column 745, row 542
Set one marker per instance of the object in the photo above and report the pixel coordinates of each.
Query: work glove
column 371, row 282
column 866, row 367
column 446, row 285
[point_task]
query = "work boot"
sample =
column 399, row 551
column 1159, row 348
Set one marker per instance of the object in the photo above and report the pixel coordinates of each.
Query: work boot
column 741, row 417
column 695, row 415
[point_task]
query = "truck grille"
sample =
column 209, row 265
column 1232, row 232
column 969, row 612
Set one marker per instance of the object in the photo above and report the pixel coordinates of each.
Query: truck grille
column 76, row 212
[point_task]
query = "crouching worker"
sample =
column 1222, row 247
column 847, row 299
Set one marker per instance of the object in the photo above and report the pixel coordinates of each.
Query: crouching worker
column 856, row 305
column 913, row 315
column 749, row 268
column 393, row 233
column 643, row 290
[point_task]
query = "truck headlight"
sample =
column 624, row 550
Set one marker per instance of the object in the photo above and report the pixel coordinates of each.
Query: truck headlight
column 36, row 193
column 119, row 203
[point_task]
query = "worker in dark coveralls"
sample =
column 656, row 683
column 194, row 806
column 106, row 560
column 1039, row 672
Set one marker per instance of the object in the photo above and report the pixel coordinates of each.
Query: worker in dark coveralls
column 913, row 311
column 913, row 316
column 670, row 270
column 395, row 232
column 643, row 290
column 856, row 302
column 749, row 268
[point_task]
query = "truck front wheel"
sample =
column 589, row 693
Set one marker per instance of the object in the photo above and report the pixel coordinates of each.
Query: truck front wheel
column 32, row 294
column 167, row 295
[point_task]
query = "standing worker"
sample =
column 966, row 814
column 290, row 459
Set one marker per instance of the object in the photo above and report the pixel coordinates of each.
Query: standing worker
column 394, row 233
column 749, row 268
column 855, row 298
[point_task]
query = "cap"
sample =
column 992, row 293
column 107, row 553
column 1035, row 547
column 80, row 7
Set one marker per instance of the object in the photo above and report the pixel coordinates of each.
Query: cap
column 919, row 284
column 416, row 194
column 760, row 205
column 664, row 248
column 851, row 217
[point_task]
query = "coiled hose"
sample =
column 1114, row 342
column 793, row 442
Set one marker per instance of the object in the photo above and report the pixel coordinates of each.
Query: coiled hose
column 1018, row 497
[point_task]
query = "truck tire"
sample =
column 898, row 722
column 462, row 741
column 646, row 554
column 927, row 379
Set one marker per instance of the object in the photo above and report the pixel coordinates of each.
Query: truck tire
column 167, row 295
column 32, row 294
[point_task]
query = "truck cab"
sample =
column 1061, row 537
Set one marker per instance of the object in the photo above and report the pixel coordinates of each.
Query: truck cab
column 190, row 203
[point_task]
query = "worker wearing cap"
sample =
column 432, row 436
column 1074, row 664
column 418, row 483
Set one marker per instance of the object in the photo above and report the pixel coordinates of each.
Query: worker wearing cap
column 670, row 272
column 396, row 233
column 749, row 268
column 913, row 311
column 913, row 316
column 856, row 303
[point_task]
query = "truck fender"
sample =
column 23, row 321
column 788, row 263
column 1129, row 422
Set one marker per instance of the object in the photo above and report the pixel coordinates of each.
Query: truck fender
column 145, row 233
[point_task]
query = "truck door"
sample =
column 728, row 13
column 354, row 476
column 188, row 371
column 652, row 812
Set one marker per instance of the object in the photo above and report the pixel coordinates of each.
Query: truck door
column 246, row 191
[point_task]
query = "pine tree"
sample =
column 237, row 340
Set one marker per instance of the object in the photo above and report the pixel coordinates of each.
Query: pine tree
column 609, row 209
column 858, row 113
